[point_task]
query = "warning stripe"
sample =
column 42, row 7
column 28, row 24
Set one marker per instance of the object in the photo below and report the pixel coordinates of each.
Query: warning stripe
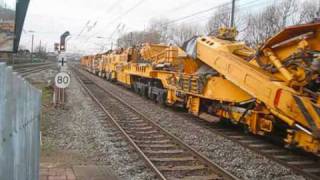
column 307, row 115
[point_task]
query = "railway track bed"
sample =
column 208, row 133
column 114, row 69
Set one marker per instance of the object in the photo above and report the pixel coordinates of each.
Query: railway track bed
column 164, row 153
column 302, row 163
column 27, row 69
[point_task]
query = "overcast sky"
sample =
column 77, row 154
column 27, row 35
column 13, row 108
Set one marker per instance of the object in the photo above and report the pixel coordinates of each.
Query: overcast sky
column 100, row 18
column 10, row 4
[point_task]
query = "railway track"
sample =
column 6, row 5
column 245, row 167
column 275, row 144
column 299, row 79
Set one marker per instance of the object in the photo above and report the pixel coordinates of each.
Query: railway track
column 164, row 153
column 25, row 70
column 26, row 65
column 301, row 163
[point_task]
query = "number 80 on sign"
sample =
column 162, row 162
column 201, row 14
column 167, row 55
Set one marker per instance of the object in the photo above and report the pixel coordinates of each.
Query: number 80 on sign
column 62, row 80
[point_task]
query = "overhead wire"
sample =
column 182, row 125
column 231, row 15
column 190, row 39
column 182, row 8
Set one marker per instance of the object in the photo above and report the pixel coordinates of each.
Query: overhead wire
column 111, row 7
column 197, row 13
column 128, row 11
column 194, row 17
column 84, row 27
column 247, row 5
column 120, row 17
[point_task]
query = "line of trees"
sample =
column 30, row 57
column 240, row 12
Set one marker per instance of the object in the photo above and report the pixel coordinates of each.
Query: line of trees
column 254, row 27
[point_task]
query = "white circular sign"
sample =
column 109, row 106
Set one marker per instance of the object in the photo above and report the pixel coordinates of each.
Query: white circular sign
column 62, row 80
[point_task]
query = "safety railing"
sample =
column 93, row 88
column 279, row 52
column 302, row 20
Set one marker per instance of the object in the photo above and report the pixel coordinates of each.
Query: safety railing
column 20, row 105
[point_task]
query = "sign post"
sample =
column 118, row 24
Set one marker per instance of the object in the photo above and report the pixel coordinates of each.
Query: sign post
column 61, row 81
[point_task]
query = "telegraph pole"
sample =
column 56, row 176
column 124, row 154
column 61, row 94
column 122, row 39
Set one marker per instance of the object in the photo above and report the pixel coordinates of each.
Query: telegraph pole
column 131, row 40
column 40, row 47
column 318, row 13
column 32, row 47
column 232, row 13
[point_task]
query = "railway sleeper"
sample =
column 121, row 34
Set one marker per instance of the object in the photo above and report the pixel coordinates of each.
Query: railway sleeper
column 153, row 137
column 142, row 128
column 158, row 147
column 176, row 162
column 143, row 132
column 178, row 159
column 165, row 141
column 182, row 168
column 165, row 153
column 139, row 125
column 201, row 177
column 182, row 172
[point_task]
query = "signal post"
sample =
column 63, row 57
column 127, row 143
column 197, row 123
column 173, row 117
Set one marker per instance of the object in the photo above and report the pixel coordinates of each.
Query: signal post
column 62, row 79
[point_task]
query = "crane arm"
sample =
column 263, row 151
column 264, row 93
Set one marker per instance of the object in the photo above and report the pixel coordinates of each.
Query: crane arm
column 282, row 100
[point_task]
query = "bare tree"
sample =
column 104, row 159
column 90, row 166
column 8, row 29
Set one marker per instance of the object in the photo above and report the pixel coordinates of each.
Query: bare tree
column 137, row 38
column 162, row 27
column 183, row 32
column 254, row 27
column 160, row 31
column 220, row 18
column 308, row 11
column 41, row 51
column 286, row 12
column 261, row 26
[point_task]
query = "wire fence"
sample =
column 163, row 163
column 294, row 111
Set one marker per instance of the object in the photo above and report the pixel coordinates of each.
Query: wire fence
column 20, row 105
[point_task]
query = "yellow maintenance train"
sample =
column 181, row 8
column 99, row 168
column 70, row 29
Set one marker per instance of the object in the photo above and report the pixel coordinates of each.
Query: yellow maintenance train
column 271, row 91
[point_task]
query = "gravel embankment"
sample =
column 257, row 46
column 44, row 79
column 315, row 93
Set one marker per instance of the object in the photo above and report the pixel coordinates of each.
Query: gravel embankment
column 240, row 161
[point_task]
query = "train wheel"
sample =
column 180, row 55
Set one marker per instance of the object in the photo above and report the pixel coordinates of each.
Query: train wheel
column 135, row 88
column 246, row 129
column 142, row 91
column 150, row 95
column 161, row 99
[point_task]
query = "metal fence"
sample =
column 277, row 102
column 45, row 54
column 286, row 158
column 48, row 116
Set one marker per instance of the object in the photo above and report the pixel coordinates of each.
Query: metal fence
column 20, row 105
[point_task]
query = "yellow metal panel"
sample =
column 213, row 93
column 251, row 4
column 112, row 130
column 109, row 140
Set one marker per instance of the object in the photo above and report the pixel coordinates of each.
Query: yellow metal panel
column 218, row 88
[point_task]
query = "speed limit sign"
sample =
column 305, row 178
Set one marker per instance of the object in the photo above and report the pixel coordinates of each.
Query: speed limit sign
column 62, row 80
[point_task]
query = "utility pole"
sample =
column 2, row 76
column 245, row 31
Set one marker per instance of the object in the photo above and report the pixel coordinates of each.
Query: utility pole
column 232, row 13
column 40, row 47
column 131, row 40
column 318, row 13
column 32, row 47
column 111, row 45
